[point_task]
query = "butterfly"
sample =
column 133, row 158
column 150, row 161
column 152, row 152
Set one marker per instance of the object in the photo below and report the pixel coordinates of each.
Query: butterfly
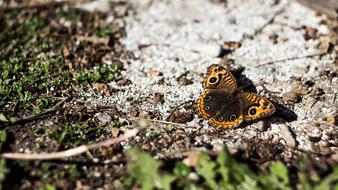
column 226, row 105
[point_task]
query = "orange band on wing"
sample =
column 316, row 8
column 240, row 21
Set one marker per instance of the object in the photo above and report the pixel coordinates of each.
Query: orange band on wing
column 226, row 124
column 226, row 76
column 260, row 111
column 201, row 111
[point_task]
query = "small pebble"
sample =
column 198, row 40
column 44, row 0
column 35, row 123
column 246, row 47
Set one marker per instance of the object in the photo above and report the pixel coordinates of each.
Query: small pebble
column 212, row 50
column 144, row 114
column 291, row 97
column 103, row 118
column 315, row 135
column 332, row 119
column 287, row 136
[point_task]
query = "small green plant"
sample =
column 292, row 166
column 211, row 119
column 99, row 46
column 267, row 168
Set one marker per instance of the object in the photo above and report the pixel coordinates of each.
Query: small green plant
column 225, row 172
column 73, row 171
column 146, row 171
column 168, row 128
column 222, row 172
column 3, row 171
column 49, row 187
column 3, row 138
column 116, row 123
column 78, row 133
column 206, row 169
column 310, row 180
column 105, row 73
column 278, row 178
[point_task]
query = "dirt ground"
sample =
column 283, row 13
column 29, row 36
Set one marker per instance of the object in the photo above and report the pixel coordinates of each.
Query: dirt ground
column 284, row 50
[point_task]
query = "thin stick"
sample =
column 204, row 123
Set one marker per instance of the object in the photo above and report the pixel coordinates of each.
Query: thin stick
column 42, row 5
column 35, row 5
column 43, row 114
column 159, row 121
column 117, row 140
column 291, row 58
column 70, row 152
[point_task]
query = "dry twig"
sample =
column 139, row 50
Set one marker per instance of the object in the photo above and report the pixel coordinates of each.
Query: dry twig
column 43, row 114
column 70, row 152
column 291, row 58
column 160, row 121
column 41, row 5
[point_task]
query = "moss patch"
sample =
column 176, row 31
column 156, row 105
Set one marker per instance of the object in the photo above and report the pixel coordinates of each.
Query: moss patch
column 43, row 52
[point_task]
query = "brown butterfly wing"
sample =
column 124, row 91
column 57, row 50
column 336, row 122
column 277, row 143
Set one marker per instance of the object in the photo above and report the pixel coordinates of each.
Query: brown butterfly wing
column 230, row 115
column 255, row 106
column 219, row 77
column 211, row 101
column 217, row 102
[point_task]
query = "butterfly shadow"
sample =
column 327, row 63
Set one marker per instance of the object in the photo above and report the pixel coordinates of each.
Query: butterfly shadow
column 283, row 114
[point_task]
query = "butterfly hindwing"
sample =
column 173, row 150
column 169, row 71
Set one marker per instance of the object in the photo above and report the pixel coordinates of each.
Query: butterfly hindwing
column 255, row 106
column 210, row 102
column 230, row 115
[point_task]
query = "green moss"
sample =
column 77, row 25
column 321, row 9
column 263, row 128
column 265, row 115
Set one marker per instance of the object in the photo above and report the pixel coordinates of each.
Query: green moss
column 34, row 71
column 116, row 123
column 102, row 74
column 75, row 134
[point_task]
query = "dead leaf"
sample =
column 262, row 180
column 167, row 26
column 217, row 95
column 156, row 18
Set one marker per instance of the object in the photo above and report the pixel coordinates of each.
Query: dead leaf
column 115, row 131
column 154, row 73
column 65, row 53
column 291, row 97
column 300, row 90
column 181, row 117
column 94, row 39
column 332, row 119
column 102, row 88
column 191, row 160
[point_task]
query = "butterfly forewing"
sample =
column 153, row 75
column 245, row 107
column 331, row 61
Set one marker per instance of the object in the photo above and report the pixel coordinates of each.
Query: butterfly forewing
column 219, row 77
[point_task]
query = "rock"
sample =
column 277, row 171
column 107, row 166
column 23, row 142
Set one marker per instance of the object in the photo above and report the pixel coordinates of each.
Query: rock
column 154, row 73
column 287, row 135
column 115, row 131
column 315, row 135
column 310, row 33
column 104, row 118
column 144, row 114
column 98, row 5
column 182, row 79
column 212, row 50
column 231, row 45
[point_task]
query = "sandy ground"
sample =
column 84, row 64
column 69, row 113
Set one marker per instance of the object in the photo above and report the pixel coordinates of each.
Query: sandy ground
column 174, row 41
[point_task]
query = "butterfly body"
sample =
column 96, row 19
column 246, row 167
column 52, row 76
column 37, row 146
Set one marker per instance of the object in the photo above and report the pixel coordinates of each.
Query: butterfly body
column 226, row 105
